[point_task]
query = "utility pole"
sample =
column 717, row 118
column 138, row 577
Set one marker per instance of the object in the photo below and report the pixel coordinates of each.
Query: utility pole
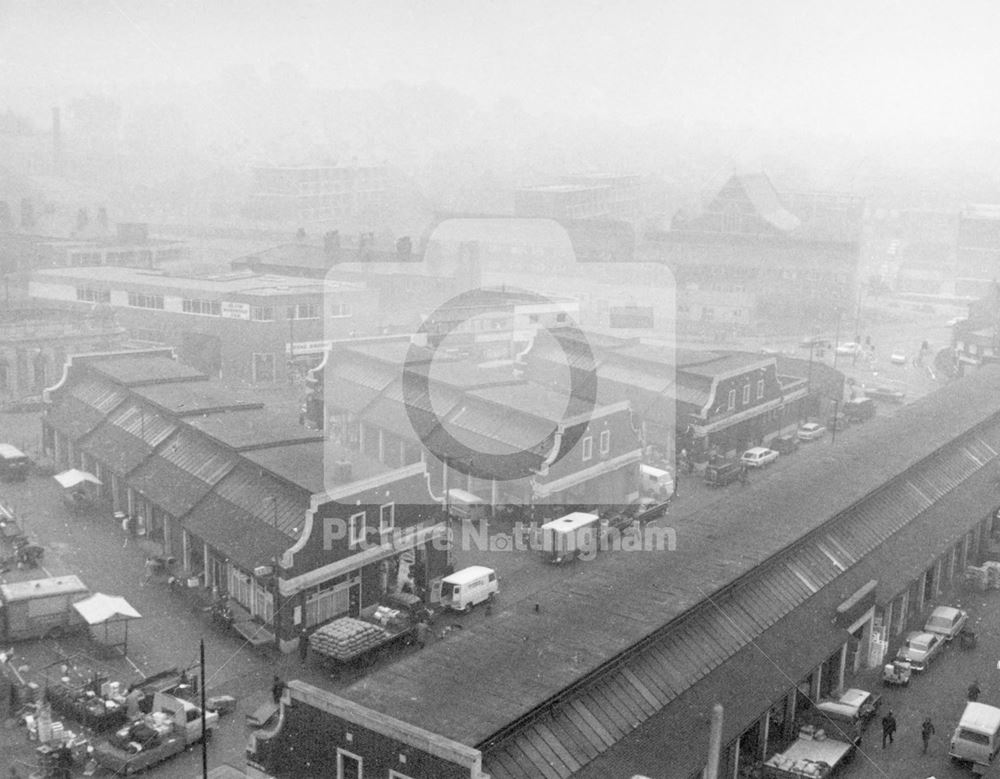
column 836, row 421
column 204, row 714
column 836, row 340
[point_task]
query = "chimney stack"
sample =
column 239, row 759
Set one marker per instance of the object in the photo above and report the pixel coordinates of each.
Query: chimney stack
column 56, row 142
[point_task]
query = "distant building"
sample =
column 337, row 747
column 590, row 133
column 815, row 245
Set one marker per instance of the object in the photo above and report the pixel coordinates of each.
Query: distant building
column 131, row 247
column 306, row 194
column 761, row 256
column 582, row 197
column 978, row 251
column 243, row 328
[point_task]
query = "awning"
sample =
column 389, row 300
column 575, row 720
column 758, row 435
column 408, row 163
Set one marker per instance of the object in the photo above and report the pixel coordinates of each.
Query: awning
column 74, row 477
column 100, row 608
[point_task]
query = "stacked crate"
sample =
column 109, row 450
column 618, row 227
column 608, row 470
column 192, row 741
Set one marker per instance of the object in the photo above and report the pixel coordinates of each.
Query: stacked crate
column 346, row 638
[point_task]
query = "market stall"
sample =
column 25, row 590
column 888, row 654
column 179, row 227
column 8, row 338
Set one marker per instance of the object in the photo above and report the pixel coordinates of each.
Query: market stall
column 108, row 610
column 79, row 488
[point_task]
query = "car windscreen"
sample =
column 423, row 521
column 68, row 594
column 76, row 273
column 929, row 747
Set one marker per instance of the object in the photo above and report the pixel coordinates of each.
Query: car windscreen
column 972, row 736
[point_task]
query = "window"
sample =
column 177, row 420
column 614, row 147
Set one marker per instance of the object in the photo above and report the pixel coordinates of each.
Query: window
column 588, row 448
column 139, row 300
column 348, row 765
column 302, row 311
column 91, row 295
column 746, row 394
column 356, row 529
column 386, row 518
column 760, row 389
column 605, row 441
column 202, row 307
column 262, row 313
column 263, row 368
column 340, row 309
column 732, row 399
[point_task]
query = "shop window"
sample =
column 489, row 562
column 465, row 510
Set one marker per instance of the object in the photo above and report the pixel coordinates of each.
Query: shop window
column 262, row 313
column 356, row 529
column 139, row 300
column 349, row 766
column 387, row 518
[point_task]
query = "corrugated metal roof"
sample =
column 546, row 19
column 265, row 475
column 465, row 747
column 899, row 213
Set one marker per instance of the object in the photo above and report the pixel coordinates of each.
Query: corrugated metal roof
column 171, row 488
column 114, row 447
column 264, row 498
column 145, row 424
column 133, row 370
column 73, row 417
column 241, row 536
column 100, row 395
column 198, row 457
column 343, row 395
column 714, row 633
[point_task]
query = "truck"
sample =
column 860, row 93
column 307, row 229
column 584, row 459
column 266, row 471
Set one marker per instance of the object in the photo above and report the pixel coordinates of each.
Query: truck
column 354, row 641
column 173, row 725
column 41, row 608
column 574, row 535
column 809, row 756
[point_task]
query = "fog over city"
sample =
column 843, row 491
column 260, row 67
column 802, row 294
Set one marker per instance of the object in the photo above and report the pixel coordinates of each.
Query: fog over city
column 424, row 389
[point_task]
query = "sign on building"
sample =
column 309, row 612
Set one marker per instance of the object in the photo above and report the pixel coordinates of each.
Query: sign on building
column 235, row 310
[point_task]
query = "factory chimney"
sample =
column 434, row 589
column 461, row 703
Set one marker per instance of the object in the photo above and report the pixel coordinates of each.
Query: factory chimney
column 56, row 142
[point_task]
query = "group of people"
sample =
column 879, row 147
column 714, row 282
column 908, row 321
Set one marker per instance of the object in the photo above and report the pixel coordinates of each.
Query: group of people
column 889, row 730
column 926, row 727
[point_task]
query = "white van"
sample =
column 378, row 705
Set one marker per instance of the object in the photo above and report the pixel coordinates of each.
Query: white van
column 656, row 481
column 464, row 589
column 977, row 737
column 575, row 535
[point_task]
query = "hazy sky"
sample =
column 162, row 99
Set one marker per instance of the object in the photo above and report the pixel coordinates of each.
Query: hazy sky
column 865, row 67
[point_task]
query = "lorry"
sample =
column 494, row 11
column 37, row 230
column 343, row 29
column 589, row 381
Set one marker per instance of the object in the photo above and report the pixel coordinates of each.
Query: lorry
column 353, row 641
column 41, row 608
column 812, row 755
column 173, row 725
column 976, row 738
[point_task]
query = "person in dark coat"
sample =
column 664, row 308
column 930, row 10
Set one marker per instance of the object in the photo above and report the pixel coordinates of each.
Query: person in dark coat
column 974, row 691
column 303, row 645
column 926, row 731
column 277, row 689
column 888, row 727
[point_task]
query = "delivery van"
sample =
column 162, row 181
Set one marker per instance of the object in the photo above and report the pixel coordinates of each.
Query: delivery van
column 14, row 463
column 977, row 738
column 574, row 535
column 464, row 589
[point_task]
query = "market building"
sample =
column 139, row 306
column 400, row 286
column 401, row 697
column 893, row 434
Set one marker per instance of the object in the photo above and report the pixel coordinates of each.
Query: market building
column 576, row 452
column 241, row 494
column 243, row 328
column 765, row 604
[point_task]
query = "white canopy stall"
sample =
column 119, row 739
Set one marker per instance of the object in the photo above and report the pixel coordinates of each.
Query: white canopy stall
column 101, row 609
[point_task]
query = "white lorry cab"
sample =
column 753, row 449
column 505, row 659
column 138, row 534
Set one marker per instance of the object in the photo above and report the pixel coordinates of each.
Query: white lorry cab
column 464, row 589
column 656, row 481
column 977, row 737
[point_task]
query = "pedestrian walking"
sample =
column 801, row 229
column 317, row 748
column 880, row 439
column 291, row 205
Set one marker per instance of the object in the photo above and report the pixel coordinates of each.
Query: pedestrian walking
column 926, row 731
column 126, row 529
column 422, row 630
column 277, row 689
column 150, row 568
column 888, row 727
column 303, row 645
column 974, row 691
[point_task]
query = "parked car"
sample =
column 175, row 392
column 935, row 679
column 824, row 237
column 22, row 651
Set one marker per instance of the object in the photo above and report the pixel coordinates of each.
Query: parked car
column 859, row 409
column 887, row 394
column 849, row 349
column 946, row 621
column 919, row 649
column 898, row 358
column 848, row 716
column 954, row 321
column 721, row 474
column 758, row 457
column 811, row 431
column 785, row 444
